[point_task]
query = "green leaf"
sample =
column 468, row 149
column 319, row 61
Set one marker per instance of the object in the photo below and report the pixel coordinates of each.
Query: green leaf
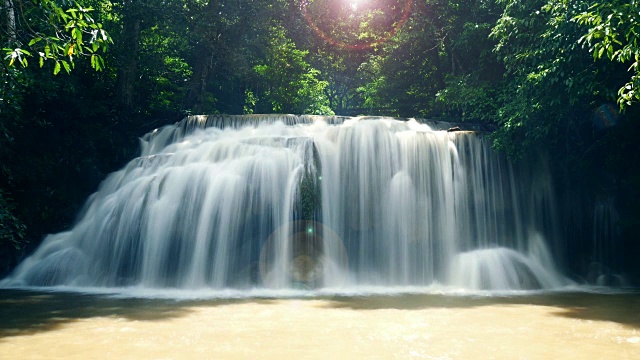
column 66, row 66
column 73, row 12
column 56, row 68
column 78, row 35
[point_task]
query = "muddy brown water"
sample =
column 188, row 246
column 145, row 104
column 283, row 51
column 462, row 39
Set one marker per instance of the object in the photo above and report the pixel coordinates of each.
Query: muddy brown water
column 64, row 325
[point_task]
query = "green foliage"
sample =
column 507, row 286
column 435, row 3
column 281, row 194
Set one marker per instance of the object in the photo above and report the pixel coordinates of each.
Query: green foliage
column 439, row 58
column 250, row 102
column 12, row 230
column 289, row 84
column 371, row 91
column 614, row 33
column 550, row 82
column 59, row 35
column 163, row 70
column 403, row 78
column 470, row 99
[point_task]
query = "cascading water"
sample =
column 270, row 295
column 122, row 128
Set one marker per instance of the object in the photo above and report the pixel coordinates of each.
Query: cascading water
column 285, row 201
column 606, row 244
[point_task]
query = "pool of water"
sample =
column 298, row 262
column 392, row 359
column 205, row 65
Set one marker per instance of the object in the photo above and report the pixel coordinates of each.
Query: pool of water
column 37, row 323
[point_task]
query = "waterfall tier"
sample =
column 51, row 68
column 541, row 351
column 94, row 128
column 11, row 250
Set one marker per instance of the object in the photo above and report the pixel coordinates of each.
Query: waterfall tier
column 287, row 201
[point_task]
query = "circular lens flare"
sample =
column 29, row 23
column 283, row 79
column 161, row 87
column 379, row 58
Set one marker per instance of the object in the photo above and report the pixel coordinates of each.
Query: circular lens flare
column 303, row 254
column 355, row 5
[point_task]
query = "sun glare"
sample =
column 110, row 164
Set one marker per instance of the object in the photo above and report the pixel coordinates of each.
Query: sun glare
column 384, row 20
column 355, row 5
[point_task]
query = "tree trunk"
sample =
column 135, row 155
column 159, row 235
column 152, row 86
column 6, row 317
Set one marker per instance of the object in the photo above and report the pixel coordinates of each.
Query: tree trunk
column 128, row 70
column 196, row 93
column 197, row 89
column 11, row 22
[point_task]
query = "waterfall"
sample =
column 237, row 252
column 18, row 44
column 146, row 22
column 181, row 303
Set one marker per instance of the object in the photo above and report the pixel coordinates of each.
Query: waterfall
column 284, row 201
column 606, row 244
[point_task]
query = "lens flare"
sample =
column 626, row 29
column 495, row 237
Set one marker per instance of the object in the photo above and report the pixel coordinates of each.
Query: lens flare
column 303, row 254
column 354, row 5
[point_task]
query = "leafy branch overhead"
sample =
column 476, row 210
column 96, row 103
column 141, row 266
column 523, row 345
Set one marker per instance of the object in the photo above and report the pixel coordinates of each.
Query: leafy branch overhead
column 614, row 33
column 50, row 32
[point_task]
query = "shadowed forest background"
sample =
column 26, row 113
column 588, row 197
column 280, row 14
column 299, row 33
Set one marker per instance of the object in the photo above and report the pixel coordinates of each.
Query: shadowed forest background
column 82, row 80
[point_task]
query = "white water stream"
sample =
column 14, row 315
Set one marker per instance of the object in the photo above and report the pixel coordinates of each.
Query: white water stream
column 309, row 202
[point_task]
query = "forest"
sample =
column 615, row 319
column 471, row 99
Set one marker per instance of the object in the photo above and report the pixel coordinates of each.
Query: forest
column 82, row 80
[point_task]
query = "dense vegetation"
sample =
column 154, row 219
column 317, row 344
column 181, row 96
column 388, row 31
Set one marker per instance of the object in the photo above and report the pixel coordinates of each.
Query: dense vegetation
column 81, row 79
